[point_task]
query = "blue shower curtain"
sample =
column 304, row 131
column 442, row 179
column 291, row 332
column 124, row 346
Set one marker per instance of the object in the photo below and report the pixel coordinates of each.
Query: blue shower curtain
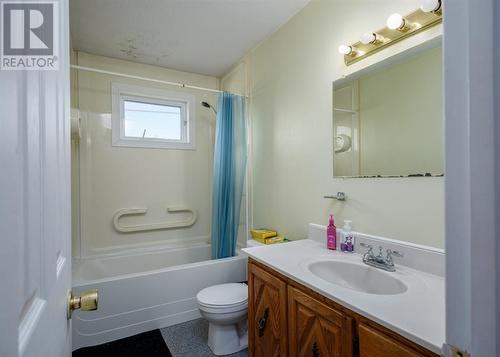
column 230, row 158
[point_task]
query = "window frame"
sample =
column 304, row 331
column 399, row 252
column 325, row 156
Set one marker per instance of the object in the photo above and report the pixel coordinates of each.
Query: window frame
column 124, row 92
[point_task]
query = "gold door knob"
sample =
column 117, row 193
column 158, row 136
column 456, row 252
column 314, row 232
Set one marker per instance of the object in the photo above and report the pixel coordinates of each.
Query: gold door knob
column 87, row 301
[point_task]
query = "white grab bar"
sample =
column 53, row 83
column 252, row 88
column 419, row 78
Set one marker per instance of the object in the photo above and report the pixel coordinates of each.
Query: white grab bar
column 152, row 226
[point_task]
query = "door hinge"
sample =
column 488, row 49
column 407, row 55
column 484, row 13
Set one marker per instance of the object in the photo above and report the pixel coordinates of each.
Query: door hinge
column 452, row 351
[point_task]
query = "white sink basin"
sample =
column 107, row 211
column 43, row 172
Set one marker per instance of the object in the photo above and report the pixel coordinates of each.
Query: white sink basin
column 357, row 277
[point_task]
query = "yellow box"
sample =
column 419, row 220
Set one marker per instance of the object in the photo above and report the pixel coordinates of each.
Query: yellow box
column 273, row 240
column 261, row 234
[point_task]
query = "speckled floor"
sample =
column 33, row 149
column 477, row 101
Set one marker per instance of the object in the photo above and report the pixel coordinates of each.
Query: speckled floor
column 189, row 339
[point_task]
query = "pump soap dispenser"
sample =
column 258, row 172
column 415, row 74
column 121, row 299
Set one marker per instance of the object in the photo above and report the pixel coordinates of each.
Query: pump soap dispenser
column 347, row 243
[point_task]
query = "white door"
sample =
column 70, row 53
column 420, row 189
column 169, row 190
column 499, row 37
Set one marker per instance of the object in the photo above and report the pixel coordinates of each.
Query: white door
column 471, row 68
column 35, row 215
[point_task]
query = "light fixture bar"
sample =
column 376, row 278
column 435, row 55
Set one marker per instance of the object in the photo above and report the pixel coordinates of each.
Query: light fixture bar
column 417, row 21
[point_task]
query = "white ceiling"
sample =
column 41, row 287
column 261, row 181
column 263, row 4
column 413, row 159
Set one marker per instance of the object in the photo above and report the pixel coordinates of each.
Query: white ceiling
column 199, row 36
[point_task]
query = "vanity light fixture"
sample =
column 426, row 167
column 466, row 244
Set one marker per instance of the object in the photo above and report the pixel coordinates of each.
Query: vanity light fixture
column 346, row 50
column 399, row 27
column 433, row 6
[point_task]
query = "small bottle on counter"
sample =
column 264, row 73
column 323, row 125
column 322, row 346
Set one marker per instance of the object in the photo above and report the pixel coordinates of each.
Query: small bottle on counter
column 331, row 234
column 347, row 242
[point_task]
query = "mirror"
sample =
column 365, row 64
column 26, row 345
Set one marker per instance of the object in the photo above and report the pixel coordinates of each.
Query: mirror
column 388, row 120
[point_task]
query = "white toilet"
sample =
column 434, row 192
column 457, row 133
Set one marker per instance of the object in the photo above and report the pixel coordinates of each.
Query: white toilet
column 225, row 308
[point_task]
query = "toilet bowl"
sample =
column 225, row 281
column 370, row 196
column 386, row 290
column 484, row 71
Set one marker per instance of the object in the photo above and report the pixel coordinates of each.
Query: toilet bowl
column 225, row 307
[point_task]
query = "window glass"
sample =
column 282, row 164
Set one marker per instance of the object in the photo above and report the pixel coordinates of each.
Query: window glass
column 152, row 121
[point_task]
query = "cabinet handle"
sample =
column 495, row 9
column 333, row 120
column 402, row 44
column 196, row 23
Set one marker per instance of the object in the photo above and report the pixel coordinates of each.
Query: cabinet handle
column 315, row 350
column 261, row 325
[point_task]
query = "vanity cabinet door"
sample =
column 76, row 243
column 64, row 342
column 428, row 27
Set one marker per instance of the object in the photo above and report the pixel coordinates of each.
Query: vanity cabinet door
column 267, row 320
column 375, row 343
column 315, row 329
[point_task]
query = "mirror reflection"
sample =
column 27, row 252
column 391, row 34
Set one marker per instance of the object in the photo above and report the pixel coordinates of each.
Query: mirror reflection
column 389, row 121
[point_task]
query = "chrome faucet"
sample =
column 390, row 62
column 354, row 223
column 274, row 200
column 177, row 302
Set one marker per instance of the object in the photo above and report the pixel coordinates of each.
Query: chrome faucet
column 378, row 261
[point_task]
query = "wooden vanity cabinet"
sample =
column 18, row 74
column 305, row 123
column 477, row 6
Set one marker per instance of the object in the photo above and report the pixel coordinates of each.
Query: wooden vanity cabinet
column 267, row 314
column 315, row 329
column 374, row 343
column 286, row 318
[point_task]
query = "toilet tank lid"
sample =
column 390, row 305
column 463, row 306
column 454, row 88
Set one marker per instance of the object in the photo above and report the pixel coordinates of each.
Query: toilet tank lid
column 223, row 294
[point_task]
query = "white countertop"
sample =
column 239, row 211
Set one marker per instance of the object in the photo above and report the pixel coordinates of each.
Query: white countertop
column 417, row 314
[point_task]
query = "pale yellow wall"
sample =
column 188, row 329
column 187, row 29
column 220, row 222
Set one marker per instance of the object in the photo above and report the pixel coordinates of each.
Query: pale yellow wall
column 292, row 75
column 235, row 80
column 112, row 178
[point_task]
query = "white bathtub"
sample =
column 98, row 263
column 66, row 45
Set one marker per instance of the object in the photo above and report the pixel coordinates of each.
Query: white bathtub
column 143, row 291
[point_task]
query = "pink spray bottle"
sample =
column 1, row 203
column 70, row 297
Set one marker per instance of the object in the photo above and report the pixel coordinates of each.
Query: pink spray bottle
column 331, row 234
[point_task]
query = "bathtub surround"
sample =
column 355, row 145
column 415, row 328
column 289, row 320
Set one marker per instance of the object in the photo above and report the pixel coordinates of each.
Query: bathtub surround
column 112, row 178
column 290, row 77
column 230, row 157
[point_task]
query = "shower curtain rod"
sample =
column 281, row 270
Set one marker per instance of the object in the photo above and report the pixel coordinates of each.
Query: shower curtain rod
column 182, row 85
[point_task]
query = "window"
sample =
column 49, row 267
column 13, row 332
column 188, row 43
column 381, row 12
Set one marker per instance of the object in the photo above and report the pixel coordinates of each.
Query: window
column 146, row 117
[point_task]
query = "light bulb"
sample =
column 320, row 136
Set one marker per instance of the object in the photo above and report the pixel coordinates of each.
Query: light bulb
column 345, row 49
column 368, row 38
column 396, row 22
column 430, row 5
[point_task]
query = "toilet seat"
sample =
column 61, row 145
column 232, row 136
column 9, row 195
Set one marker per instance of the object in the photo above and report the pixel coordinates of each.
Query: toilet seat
column 223, row 309
column 223, row 298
